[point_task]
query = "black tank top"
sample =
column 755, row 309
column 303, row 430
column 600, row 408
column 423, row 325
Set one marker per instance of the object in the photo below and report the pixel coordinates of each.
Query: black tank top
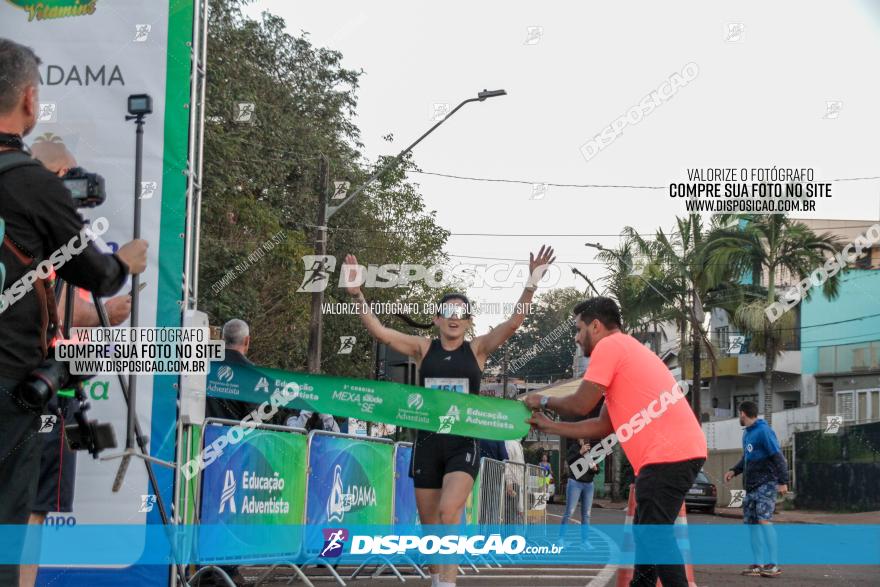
column 456, row 370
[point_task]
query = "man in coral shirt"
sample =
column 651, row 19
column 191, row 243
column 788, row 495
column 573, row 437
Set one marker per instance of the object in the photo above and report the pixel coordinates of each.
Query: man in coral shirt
column 647, row 413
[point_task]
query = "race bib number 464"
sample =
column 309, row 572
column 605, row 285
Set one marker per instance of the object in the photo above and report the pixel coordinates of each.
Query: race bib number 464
column 456, row 384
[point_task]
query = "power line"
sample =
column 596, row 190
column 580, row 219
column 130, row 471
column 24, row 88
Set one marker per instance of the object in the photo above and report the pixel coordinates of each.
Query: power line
column 842, row 321
column 799, row 328
column 856, row 178
column 840, row 340
column 527, row 182
column 549, row 235
column 579, row 185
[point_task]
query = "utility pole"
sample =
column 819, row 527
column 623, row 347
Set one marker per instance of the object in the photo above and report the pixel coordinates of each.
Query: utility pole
column 504, row 372
column 697, row 346
column 316, row 324
column 326, row 211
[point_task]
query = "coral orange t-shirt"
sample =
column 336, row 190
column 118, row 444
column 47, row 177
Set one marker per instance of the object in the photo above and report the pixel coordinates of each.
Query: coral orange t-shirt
column 650, row 414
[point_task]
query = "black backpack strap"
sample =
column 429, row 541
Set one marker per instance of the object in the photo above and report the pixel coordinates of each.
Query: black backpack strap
column 10, row 160
column 13, row 159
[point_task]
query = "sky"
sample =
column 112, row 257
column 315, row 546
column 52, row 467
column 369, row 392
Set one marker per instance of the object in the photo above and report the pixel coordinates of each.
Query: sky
column 765, row 75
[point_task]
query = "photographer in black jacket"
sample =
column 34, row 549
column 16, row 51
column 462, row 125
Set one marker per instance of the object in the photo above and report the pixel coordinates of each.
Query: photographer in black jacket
column 41, row 220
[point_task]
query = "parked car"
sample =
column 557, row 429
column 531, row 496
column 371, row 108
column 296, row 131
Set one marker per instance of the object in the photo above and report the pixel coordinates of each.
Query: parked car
column 702, row 495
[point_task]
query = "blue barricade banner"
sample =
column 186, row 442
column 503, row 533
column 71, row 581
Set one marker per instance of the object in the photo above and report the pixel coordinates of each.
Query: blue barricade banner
column 405, row 511
column 350, row 481
column 259, row 482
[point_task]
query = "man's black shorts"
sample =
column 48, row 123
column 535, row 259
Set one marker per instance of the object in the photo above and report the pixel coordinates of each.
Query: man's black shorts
column 19, row 465
column 57, row 464
column 434, row 455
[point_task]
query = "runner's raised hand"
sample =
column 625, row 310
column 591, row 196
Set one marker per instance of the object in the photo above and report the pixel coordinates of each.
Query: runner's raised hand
column 351, row 272
column 539, row 263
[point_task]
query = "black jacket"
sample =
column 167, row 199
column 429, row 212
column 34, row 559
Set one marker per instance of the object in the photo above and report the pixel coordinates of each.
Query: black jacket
column 230, row 409
column 574, row 454
column 41, row 219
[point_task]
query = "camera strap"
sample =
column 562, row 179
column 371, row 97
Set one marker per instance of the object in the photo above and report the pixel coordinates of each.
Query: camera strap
column 10, row 160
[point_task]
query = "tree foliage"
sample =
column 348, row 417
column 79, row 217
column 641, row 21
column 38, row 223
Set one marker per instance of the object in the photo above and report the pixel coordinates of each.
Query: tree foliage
column 543, row 347
column 261, row 180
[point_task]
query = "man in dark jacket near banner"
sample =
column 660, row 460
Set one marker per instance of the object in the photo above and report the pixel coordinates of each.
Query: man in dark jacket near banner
column 237, row 336
column 764, row 472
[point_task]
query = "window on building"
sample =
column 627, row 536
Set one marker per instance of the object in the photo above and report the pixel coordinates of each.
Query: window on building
column 861, row 358
column 825, row 392
column 868, row 405
column 827, row 359
column 846, row 405
column 861, row 405
column 790, row 404
column 722, row 338
column 739, row 399
column 847, row 358
column 864, row 260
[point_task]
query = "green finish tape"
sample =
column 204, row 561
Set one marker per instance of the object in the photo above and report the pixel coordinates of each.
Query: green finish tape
column 443, row 412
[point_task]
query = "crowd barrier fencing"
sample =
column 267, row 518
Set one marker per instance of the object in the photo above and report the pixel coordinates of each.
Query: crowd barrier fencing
column 214, row 490
column 325, row 475
column 346, row 471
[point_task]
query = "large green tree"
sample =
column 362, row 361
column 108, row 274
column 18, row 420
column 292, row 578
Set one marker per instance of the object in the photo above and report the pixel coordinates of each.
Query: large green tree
column 543, row 347
column 261, row 186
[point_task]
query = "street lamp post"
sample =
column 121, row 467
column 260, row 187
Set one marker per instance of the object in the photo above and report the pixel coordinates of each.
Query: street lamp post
column 629, row 265
column 326, row 211
column 587, row 279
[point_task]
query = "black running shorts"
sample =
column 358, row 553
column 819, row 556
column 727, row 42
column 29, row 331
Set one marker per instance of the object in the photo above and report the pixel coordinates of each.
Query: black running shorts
column 434, row 455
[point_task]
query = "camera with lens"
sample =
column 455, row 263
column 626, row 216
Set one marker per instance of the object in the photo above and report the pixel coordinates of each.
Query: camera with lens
column 87, row 189
column 43, row 384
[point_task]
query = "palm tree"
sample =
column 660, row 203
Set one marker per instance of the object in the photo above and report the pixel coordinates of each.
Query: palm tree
column 640, row 306
column 767, row 245
column 684, row 284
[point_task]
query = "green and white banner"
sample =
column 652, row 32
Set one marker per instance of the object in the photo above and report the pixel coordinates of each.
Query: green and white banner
column 434, row 410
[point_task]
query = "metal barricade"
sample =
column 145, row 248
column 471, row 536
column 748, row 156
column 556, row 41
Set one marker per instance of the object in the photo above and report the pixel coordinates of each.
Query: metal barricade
column 537, row 496
column 490, row 500
column 404, row 511
column 322, row 511
column 196, row 491
column 511, row 494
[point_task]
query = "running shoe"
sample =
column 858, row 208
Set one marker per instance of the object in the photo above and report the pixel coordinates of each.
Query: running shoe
column 771, row 571
column 752, row 571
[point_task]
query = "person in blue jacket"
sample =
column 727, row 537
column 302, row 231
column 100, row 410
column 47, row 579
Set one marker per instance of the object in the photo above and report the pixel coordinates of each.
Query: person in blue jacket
column 765, row 472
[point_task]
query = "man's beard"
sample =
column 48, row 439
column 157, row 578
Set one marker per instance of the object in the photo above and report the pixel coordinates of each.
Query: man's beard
column 587, row 347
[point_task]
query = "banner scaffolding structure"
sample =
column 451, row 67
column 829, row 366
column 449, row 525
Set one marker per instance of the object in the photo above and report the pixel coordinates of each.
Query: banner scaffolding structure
column 156, row 48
